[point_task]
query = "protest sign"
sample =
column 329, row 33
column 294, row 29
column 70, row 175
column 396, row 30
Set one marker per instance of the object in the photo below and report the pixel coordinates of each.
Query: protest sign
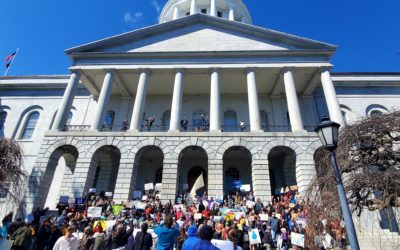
column 238, row 215
column 102, row 223
column 237, row 184
column 117, row 208
column 197, row 216
column 141, row 206
column 185, row 186
column 79, row 201
column 137, row 195
column 144, row 198
column 217, row 218
column 158, row 187
column 297, row 239
column 94, row 212
column 222, row 244
column 92, row 190
column 254, row 236
column 110, row 224
column 64, row 199
column 245, row 188
column 148, row 186
column 108, row 194
column 250, row 204
column 263, row 217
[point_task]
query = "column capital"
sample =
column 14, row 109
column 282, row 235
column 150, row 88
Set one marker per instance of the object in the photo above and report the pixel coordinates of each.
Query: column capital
column 180, row 70
column 146, row 71
column 76, row 72
column 214, row 70
column 287, row 69
column 250, row 70
column 110, row 71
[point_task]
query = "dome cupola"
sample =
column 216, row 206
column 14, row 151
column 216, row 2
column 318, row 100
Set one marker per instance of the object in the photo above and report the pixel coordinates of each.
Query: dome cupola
column 234, row 10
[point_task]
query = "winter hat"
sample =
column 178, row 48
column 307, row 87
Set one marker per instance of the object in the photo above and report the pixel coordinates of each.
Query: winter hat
column 192, row 231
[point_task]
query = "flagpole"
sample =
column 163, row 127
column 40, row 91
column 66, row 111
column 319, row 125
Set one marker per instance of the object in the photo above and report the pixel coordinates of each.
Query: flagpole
column 12, row 60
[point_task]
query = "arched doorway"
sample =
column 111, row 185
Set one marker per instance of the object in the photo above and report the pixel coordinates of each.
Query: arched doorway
column 237, row 166
column 58, row 176
column 105, row 163
column 148, row 166
column 282, row 168
column 193, row 161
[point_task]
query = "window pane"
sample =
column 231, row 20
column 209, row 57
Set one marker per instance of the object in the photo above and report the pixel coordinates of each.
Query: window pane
column 30, row 125
column 159, row 175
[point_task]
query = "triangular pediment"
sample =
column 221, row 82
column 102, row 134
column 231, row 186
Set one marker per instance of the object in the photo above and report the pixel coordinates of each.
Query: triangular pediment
column 201, row 33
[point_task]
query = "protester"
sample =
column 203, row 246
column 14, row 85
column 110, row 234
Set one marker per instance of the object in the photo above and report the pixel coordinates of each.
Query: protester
column 68, row 241
column 22, row 238
column 206, row 234
column 167, row 234
column 143, row 240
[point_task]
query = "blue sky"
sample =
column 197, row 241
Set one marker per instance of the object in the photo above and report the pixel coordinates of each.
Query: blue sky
column 366, row 31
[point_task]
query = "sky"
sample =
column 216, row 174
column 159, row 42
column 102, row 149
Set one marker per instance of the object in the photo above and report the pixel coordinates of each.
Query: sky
column 367, row 32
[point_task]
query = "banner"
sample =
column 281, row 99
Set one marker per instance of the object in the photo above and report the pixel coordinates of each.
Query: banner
column 94, row 212
column 117, row 208
column 148, row 186
column 197, row 185
column 254, row 236
column 137, row 195
column 297, row 239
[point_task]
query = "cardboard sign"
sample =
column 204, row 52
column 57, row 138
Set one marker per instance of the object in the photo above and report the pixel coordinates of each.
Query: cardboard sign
column 64, row 199
column 198, row 216
column 148, row 186
column 158, row 187
column 254, row 236
column 137, row 195
column 141, row 206
column 94, row 212
column 117, row 208
column 264, row 217
column 246, row 188
column 297, row 239
column 108, row 194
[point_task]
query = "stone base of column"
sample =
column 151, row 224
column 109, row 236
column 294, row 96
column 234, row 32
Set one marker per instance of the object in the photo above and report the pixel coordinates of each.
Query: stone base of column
column 261, row 180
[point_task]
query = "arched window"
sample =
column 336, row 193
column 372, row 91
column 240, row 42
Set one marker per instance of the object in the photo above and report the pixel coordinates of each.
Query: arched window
column 233, row 173
column 158, row 178
column 109, row 120
column 3, row 116
column 375, row 113
column 264, row 120
column 198, row 118
column 30, row 125
column 166, row 120
column 230, row 121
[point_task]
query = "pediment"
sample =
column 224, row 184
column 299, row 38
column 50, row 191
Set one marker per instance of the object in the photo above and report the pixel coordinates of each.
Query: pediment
column 201, row 33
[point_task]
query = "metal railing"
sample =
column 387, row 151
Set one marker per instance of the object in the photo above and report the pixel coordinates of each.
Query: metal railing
column 235, row 128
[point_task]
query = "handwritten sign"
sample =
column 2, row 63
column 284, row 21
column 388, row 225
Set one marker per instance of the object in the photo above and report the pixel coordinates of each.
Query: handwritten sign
column 263, row 217
column 197, row 216
column 254, row 237
column 94, row 212
column 148, row 186
column 137, row 195
column 297, row 239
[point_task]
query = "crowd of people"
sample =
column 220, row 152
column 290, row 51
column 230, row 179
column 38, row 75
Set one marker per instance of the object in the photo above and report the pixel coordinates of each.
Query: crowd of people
column 237, row 221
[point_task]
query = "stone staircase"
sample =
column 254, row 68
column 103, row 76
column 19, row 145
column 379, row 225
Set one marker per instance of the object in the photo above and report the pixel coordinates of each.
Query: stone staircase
column 378, row 239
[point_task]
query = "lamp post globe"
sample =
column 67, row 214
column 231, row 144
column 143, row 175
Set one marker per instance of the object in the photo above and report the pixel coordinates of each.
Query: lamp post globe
column 328, row 133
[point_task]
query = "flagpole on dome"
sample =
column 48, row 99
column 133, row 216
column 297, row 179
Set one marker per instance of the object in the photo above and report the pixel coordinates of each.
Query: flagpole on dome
column 12, row 60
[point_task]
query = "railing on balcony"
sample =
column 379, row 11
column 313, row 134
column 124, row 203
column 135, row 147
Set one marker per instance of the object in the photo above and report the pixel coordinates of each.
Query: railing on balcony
column 189, row 128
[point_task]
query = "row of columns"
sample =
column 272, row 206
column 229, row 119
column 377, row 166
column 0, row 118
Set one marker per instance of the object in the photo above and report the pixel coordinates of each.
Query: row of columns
column 215, row 100
column 213, row 10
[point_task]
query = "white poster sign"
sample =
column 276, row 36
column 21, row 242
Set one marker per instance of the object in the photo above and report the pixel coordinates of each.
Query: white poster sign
column 222, row 244
column 297, row 239
column 263, row 217
column 94, row 212
column 158, row 187
column 144, row 198
column 197, row 216
column 148, row 186
column 254, row 236
column 108, row 194
column 141, row 206
column 245, row 188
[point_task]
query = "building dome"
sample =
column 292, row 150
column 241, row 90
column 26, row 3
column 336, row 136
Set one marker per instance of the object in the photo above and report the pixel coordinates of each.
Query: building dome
column 233, row 10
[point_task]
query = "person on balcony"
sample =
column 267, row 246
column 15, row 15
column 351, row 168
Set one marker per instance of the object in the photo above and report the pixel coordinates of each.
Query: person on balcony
column 184, row 123
column 242, row 126
column 125, row 125
column 149, row 122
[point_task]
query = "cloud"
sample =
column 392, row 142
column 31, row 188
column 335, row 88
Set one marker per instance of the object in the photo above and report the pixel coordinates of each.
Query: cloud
column 156, row 6
column 137, row 16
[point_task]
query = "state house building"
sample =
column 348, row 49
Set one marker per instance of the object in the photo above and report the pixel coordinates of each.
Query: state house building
column 251, row 97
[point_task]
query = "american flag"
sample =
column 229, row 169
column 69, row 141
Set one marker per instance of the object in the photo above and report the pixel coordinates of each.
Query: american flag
column 10, row 57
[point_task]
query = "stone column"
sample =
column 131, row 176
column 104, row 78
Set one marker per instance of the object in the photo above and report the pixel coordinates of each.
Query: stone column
column 176, row 13
column 332, row 102
column 66, row 102
column 213, row 8
column 169, row 180
column 231, row 13
column 254, row 111
column 261, row 180
column 177, row 100
column 305, row 172
column 103, row 101
column 126, row 181
column 215, row 101
column 193, row 7
column 215, row 178
column 292, row 101
column 140, row 101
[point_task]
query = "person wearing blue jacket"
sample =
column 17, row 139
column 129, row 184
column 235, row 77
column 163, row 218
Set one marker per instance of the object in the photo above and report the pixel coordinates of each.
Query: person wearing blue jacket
column 167, row 234
column 192, row 239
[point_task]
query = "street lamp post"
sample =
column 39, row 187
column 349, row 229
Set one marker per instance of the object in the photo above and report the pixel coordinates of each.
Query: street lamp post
column 328, row 132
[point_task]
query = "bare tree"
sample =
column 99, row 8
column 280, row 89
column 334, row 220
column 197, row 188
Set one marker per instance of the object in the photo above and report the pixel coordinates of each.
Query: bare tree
column 12, row 176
